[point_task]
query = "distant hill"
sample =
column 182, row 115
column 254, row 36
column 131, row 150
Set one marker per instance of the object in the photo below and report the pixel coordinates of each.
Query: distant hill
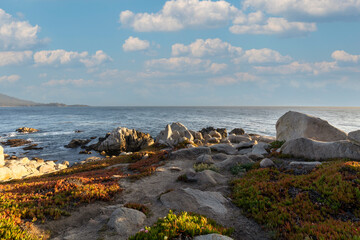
column 7, row 101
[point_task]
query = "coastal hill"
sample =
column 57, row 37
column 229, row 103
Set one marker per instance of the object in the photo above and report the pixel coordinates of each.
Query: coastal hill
column 7, row 101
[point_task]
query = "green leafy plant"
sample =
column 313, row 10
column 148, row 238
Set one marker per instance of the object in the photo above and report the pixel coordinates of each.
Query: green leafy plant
column 183, row 225
column 241, row 168
column 276, row 144
column 199, row 167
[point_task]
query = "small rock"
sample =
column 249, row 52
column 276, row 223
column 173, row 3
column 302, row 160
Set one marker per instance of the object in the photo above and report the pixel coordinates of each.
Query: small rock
column 237, row 131
column 175, row 169
column 239, row 138
column 26, row 130
column 77, row 143
column 245, row 151
column 213, row 236
column 205, row 158
column 215, row 134
column 213, row 140
column 266, row 162
column 16, row 142
column 255, row 157
column 260, row 148
column 66, row 163
column 85, row 152
column 103, row 153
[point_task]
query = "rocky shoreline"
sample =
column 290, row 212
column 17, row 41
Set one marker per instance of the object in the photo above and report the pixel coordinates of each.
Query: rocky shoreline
column 190, row 171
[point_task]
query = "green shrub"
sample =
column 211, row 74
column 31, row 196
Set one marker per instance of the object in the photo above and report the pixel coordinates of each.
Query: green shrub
column 183, row 225
column 241, row 168
column 277, row 144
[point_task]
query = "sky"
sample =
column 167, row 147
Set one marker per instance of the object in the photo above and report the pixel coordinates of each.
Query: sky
column 181, row 52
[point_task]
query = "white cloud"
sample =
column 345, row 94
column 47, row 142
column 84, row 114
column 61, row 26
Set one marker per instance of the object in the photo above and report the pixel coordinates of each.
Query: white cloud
column 343, row 56
column 302, row 9
column 238, row 77
column 217, row 67
column 296, row 67
column 208, row 47
column 60, row 57
column 179, row 14
column 74, row 82
column 275, row 25
column 11, row 57
column 97, row 59
column 218, row 48
column 9, row 79
column 179, row 64
column 135, row 44
column 15, row 34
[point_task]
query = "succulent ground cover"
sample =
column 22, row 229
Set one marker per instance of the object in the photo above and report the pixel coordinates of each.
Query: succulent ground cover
column 324, row 204
column 51, row 196
column 182, row 226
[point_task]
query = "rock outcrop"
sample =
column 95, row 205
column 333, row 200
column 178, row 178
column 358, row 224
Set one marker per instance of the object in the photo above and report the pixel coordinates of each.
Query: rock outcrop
column 26, row 130
column 16, row 142
column 77, row 143
column 124, row 140
column 23, row 168
column 316, row 150
column 174, row 134
column 293, row 125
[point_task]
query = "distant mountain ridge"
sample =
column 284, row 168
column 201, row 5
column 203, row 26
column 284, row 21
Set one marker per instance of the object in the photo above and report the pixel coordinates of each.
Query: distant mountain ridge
column 7, row 101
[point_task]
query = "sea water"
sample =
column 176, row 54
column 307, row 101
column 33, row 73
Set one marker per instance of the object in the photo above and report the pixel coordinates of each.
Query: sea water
column 57, row 125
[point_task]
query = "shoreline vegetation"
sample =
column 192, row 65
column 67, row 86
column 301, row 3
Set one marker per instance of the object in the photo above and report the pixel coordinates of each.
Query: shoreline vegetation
column 185, row 184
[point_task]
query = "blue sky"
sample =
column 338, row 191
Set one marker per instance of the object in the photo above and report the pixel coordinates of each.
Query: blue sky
column 181, row 52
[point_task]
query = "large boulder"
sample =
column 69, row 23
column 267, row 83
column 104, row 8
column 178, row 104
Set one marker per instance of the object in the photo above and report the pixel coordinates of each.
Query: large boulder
column 224, row 148
column 126, row 221
column 233, row 161
column 193, row 200
column 316, row 150
column 5, row 173
column 294, row 125
column 174, row 134
column 355, row 137
column 208, row 130
column 2, row 161
column 125, row 140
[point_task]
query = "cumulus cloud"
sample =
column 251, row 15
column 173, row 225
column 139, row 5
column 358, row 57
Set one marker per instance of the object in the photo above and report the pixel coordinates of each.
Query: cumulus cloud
column 307, row 9
column 61, row 57
column 135, row 44
column 9, row 79
column 15, row 34
column 11, row 57
column 275, row 25
column 297, row 67
column 216, row 47
column 208, row 47
column 179, row 14
column 74, row 82
column 343, row 56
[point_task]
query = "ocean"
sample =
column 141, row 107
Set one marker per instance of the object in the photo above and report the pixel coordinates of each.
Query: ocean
column 57, row 125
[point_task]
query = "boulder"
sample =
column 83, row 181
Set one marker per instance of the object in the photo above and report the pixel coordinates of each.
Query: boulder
column 46, row 168
column 354, row 137
column 198, row 136
column 18, row 171
column 233, row 161
column 239, row 138
column 197, row 201
column 26, row 130
column 5, row 173
column 205, row 158
column 294, row 125
column 260, row 148
column 215, row 134
column 213, row 140
column 2, row 158
column 245, row 151
column 125, row 140
column 224, row 148
column 266, row 163
column 209, row 178
column 190, row 153
column 255, row 157
column 316, row 150
column 174, row 134
column 244, row 145
column 220, row 157
column 237, row 131
column 77, row 143
column 213, row 236
column 16, row 142
column 126, row 221
column 208, row 130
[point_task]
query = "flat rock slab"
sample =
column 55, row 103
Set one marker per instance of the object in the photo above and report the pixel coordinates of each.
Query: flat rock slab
column 214, row 236
column 190, row 153
column 224, row 148
column 315, row 150
column 193, row 200
column 233, row 161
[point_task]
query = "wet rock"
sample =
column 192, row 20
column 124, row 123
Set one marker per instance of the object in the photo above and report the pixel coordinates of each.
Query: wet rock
column 237, row 131
column 293, row 125
column 32, row 147
column 85, row 152
column 16, row 142
column 77, row 143
column 26, row 130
